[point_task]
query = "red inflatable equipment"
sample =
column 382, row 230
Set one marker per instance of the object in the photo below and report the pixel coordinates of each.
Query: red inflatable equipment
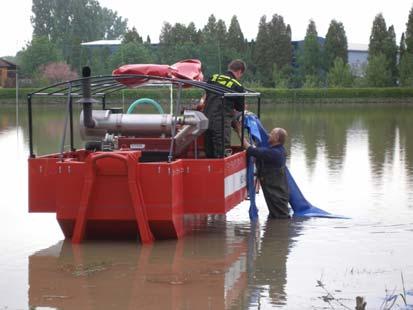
column 189, row 69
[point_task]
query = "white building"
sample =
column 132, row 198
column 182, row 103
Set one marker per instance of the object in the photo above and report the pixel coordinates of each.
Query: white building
column 357, row 57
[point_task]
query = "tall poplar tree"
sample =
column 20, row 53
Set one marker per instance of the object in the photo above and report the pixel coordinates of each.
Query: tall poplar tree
column 335, row 45
column 406, row 60
column 273, row 52
column 382, row 42
column 235, row 36
column 261, row 53
column 309, row 57
column 391, row 51
column 409, row 33
column 378, row 36
column 402, row 46
column 212, row 48
column 280, row 41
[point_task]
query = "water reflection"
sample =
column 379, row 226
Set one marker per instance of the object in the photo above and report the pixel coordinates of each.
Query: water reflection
column 267, row 262
column 232, row 266
column 323, row 131
column 319, row 131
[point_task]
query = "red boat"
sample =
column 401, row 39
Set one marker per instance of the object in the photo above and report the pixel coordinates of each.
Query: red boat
column 139, row 175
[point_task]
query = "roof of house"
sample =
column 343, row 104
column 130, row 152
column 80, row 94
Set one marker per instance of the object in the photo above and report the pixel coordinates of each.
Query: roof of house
column 102, row 43
column 7, row 64
column 358, row 47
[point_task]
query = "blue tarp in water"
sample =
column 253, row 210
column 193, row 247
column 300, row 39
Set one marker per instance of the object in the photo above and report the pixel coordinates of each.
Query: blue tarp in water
column 300, row 205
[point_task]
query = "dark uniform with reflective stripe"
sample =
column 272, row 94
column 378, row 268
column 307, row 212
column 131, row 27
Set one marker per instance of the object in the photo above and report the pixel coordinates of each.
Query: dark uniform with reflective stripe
column 271, row 172
column 213, row 111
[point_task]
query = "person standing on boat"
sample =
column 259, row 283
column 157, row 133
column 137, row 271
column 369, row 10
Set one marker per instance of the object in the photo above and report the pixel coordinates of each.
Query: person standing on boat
column 270, row 162
column 213, row 110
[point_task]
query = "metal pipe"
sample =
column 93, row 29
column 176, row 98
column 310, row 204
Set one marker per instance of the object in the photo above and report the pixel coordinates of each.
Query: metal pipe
column 87, row 101
column 127, row 124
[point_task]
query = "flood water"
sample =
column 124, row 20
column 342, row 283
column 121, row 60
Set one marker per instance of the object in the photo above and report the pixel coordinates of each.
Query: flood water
column 354, row 160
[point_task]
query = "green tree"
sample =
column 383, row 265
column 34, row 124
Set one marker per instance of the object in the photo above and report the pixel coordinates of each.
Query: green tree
column 178, row 42
column 409, row 32
column 378, row 36
column 132, row 35
column 193, row 35
column 261, row 53
column 335, row 44
column 42, row 19
column 377, row 71
column 339, row 74
column 390, row 49
column 309, row 57
column 280, row 41
column 273, row 52
column 383, row 43
column 213, row 46
column 402, row 46
column 40, row 51
column 406, row 70
column 68, row 23
column 406, row 56
column 281, row 77
column 129, row 53
column 235, row 36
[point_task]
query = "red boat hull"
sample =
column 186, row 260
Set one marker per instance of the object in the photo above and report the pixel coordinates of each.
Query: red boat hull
column 112, row 195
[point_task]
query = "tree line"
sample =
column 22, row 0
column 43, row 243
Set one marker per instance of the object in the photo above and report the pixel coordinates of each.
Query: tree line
column 273, row 60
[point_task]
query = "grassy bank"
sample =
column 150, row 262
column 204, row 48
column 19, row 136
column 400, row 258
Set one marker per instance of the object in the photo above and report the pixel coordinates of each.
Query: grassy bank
column 316, row 95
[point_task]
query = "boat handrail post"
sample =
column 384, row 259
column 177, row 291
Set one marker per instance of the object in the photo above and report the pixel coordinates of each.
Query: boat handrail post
column 174, row 121
column 68, row 108
column 259, row 107
column 222, row 127
column 29, row 111
column 242, row 126
column 72, row 148
column 171, row 98
column 104, row 102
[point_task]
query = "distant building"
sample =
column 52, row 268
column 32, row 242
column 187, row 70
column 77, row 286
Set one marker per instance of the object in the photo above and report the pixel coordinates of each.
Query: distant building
column 112, row 45
column 7, row 73
column 357, row 55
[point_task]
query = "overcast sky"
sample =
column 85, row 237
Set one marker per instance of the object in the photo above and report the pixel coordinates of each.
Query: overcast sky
column 148, row 16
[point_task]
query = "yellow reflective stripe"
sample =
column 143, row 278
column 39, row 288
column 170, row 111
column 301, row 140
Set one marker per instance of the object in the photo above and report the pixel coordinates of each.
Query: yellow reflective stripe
column 225, row 80
column 236, row 82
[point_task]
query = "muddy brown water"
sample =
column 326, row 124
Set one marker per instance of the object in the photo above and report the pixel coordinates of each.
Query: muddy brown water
column 354, row 160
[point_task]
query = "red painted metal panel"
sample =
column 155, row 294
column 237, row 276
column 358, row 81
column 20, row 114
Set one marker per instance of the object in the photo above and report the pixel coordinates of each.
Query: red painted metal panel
column 42, row 182
column 102, row 193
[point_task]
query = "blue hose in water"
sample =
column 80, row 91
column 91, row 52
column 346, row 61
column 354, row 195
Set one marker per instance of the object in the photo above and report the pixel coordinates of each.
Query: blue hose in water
column 145, row 101
column 299, row 204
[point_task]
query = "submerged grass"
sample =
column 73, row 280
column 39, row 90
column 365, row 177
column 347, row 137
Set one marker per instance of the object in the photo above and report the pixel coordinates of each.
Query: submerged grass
column 390, row 301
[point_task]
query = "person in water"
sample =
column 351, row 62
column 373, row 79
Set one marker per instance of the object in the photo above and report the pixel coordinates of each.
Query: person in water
column 215, row 110
column 270, row 162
